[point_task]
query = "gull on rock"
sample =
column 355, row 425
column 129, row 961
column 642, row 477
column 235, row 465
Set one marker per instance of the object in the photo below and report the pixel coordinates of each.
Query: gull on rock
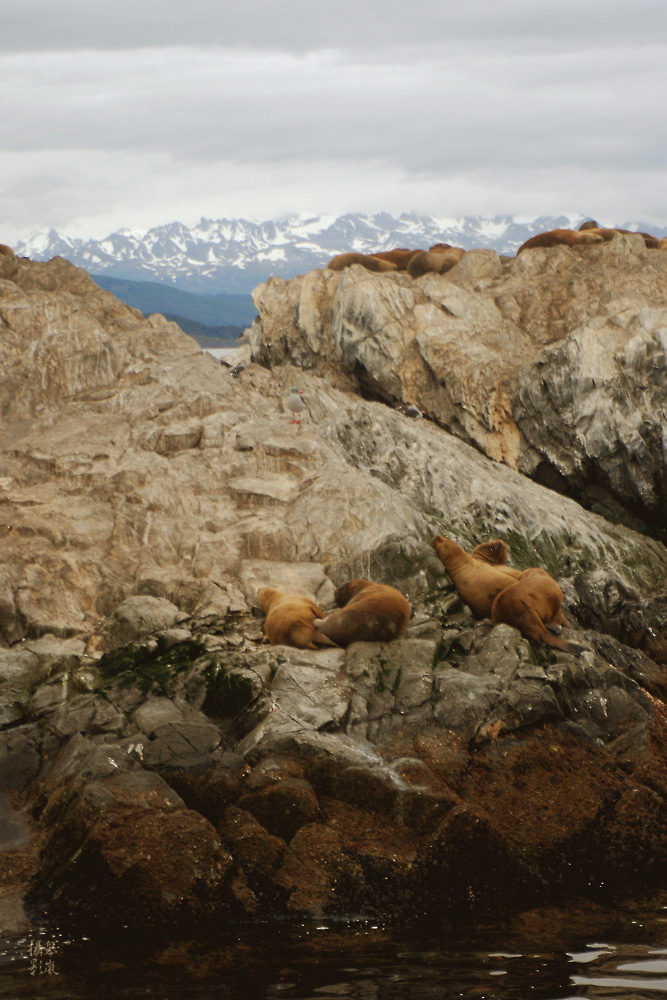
column 296, row 404
column 411, row 411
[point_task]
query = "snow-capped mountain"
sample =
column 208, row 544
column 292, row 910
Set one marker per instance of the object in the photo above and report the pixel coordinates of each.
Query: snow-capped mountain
column 234, row 255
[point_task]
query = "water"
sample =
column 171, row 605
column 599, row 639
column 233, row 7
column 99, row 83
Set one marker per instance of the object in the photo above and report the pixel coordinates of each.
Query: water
column 579, row 951
column 219, row 352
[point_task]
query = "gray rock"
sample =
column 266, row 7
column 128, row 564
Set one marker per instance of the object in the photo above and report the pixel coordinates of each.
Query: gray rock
column 139, row 616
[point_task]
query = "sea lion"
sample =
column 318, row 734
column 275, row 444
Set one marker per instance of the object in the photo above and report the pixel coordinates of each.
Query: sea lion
column 289, row 619
column 531, row 603
column 477, row 581
column 9, row 264
column 434, row 261
column 369, row 612
column 343, row 260
column 662, row 244
column 400, row 257
column 561, row 237
column 652, row 242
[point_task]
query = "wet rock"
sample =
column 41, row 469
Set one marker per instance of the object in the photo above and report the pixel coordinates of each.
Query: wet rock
column 467, row 868
column 281, row 803
column 155, row 864
column 317, row 875
column 258, row 852
column 20, row 757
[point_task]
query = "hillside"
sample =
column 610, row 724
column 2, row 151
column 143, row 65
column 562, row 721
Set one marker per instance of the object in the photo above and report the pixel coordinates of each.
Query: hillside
column 210, row 311
column 156, row 747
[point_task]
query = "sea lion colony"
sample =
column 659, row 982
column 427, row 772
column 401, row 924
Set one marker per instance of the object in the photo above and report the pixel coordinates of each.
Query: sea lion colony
column 529, row 600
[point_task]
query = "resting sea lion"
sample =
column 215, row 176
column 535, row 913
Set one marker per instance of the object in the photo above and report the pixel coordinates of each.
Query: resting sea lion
column 400, row 257
column 9, row 265
column 343, row 260
column 289, row 619
column 370, row 612
column 652, row 242
column 531, row 603
column 560, row 237
column 434, row 261
column 478, row 582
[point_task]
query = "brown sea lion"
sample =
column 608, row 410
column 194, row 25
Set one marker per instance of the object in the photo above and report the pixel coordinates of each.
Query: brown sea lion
column 343, row 260
column 434, row 261
column 561, row 237
column 369, row 612
column 400, row 257
column 9, row 265
column 478, row 582
column 289, row 619
column 534, row 598
column 531, row 603
column 652, row 242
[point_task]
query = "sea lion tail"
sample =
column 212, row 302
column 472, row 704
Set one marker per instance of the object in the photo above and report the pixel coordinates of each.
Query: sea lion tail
column 305, row 636
column 529, row 623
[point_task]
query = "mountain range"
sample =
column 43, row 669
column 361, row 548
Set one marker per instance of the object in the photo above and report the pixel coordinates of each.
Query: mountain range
column 232, row 256
column 202, row 276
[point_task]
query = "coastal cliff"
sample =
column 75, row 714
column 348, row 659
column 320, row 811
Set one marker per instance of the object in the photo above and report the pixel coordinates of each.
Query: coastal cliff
column 161, row 765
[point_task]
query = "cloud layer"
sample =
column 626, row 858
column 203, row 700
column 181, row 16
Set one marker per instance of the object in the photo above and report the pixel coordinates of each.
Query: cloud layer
column 137, row 114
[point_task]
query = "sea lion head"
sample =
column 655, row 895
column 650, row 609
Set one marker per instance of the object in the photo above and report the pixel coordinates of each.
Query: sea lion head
column 442, row 544
column 265, row 596
column 494, row 551
column 345, row 593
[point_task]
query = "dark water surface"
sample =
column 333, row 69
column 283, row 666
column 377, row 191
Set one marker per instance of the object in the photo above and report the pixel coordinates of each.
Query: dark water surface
column 582, row 950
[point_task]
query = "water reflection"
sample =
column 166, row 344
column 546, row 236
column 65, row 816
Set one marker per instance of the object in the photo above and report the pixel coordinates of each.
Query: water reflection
column 579, row 951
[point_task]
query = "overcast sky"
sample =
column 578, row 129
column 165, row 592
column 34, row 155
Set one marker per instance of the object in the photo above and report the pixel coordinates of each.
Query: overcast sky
column 141, row 112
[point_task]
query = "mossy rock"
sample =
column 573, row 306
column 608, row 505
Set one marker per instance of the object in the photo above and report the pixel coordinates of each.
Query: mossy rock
column 229, row 691
column 141, row 666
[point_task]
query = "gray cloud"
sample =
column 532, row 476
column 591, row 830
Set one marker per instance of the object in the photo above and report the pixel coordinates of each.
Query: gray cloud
column 301, row 25
column 160, row 110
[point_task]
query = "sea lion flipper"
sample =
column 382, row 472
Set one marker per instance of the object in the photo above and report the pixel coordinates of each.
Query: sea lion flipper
column 573, row 648
column 323, row 639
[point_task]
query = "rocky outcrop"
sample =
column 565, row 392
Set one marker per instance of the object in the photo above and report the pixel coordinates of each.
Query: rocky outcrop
column 553, row 362
column 162, row 767
column 453, row 771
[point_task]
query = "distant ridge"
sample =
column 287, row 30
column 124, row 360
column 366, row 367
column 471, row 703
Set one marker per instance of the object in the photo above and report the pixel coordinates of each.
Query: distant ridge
column 232, row 256
column 210, row 311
